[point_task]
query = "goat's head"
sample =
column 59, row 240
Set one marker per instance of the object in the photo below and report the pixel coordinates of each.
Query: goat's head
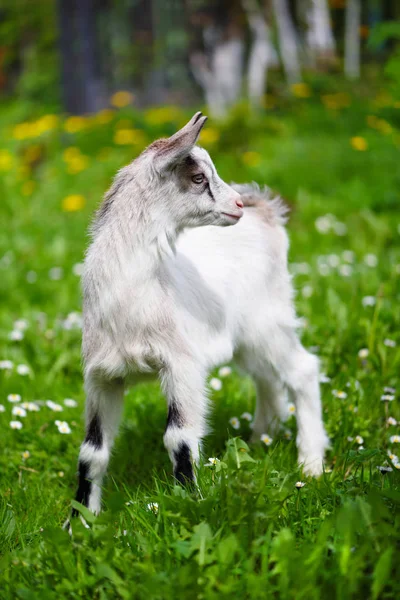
column 187, row 181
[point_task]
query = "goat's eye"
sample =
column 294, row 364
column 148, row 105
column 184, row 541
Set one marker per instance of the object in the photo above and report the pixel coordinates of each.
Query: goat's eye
column 198, row 178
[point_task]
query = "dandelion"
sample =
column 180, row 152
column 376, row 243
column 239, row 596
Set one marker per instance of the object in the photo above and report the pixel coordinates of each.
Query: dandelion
column 358, row 439
column 121, row 99
column 385, row 470
column 324, row 378
column 26, row 454
column 215, row 384
column 395, row 439
column 14, row 398
column 56, row 273
column 301, row 90
column 16, row 335
column 266, row 439
column 387, row 397
column 291, row 408
column 371, row 260
column 359, row 143
column 63, row 427
column 2, row 408
column 77, row 269
column 75, row 124
column 16, row 425
column 389, row 343
column 363, row 353
column 299, row 484
column 21, row 324
column 234, row 422
column 6, row 160
column 70, row 403
column 224, row 371
column 212, row 462
column 23, row 370
column 368, row 301
column 246, row 416
column 391, row 421
column 18, row 411
column 251, row 159
column 73, row 203
column 209, row 136
column 389, row 390
column 54, row 406
column 339, row 394
column 6, row 365
column 125, row 137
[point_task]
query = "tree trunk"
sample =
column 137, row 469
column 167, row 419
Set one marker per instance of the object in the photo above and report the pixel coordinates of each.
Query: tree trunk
column 287, row 41
column 352, row 39
column 320, row 40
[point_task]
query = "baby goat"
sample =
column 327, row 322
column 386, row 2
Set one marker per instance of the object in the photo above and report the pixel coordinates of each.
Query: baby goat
column 171, row 289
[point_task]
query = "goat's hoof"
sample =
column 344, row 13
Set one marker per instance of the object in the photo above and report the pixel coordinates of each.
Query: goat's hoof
column 312, row 465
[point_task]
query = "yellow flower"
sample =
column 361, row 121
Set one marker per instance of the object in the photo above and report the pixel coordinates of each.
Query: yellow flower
column 359, row 143
column 209, row 136
column 28, row 188
column 161, row 115
column 32, row 153
column 71, row 153
column 384, row 127
column 128, row 136
column 22, row 131
column 121, row 99
column 45, row 123
column 6, row 160
column 74, row 124
column 77, row 164
column 104, row 116
column 73, row 203
column 301, row 90
column 251, row 159
column 336, row 101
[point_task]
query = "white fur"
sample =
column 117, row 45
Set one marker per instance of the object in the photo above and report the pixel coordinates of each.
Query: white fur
column 168, row 293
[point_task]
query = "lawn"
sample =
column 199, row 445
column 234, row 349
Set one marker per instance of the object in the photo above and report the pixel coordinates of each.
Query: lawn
column 249, row 532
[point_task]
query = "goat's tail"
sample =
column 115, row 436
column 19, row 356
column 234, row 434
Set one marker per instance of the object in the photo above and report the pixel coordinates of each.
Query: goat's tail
column 273, row 207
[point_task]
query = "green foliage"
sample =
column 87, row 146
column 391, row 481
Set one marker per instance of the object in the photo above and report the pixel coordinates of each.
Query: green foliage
column 248, row 532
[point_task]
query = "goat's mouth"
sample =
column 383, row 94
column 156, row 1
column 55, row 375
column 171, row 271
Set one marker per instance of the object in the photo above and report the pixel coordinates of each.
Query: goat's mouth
column 236, row 217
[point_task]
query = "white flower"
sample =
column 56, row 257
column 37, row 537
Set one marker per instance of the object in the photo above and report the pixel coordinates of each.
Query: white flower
column 23, row 370
column 246, row 416
column 360, row 447
column 370, row 260
column 333, row 260
column 31, row 276
column 60, row 473
column 291, row 408
column 350, row 439
column 368, row 301
column 49, row 334
column 300, row 268
column 2, row 408
column 32, row 407
column 395, row 439
column 73, row 321
column 287, row 434
column 224, row 371
column 56, row 273
column 323, row 224
column 212, row 462
column 153, row 507
column 363, row 353
column 15, row 424
column 77, row 269
column 266, row 439
column 324, row 269
column 307, row 291
column 393, row 457
column 339, row 394
column 53, row 406
column 340, row 228
column 70, row 403
column 21, row 324
column 234, row 422
column 299, row 484
column 389, row 343
column 16, row 335
column 18, row 411
column 385, row 469
column 6, row 365
column 391, row 421
column 396, row 465
column 348, row 256
column 14, row 398
column 358, row 439
column 389, row 390
column 63, row 427
column 387, row 397
column 328, row 470
column 215, row 384
column 25, row 454
column 345, row 270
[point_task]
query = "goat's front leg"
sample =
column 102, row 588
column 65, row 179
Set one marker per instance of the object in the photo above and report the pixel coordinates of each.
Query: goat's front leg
column 183, row 385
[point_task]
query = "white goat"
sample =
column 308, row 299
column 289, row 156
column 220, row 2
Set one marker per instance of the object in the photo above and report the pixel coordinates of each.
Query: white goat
column 168, row 293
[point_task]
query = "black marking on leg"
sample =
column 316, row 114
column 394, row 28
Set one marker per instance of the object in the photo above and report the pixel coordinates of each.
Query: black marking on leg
column 174, row 418
column 183, row 471
column 94, row 434
column 84, row 486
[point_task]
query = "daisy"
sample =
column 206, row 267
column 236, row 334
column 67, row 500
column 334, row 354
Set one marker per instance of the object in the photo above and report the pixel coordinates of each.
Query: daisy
column 348, row 256
column 324, row 269
column 359, row 440
column 307, row 291
column 299, row 484
column 31, row 276
column 339, row 394
column 324, row 378
column 345, row 270
column 70, row 403
column 56, row 273
column 16, row 335
column 21, row 324
column 363, row 353
column 370, row 260
column 350, row 439
column 77, row 269
column 54, row 406
column 224, row 371
column 291, row 408
column 153, row 507
column 215, row 384
column 323, row 224
column 6, row 365
column 26, row 454
column 2, row 408
column 387, row 397
column 389, row 390
column 60, row 473
column 333, row 260
column 389, row 343
column 266, row 439
column 64, row 427
column 234, row 422
column 18, row 411
column 23, row 370
column 340, row 228
column 368, row 301
column 395, row 439
column 14, row 398
column 287, row 434
column 32, row 407
column 246, row 416
column 15, row 424
column 212, row 462
column 385, row 469
column 393, row 457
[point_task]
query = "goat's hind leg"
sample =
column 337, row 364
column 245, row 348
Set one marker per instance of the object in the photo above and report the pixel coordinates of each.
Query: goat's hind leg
column 103, row 411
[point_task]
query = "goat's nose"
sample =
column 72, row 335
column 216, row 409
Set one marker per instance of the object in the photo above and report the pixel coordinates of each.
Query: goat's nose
column 239, row 203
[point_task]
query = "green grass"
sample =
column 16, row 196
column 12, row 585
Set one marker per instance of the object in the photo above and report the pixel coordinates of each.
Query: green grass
column 249, row 532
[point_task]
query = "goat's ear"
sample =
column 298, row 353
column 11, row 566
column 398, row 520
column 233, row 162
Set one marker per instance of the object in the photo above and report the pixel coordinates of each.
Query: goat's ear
column 174, row 149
